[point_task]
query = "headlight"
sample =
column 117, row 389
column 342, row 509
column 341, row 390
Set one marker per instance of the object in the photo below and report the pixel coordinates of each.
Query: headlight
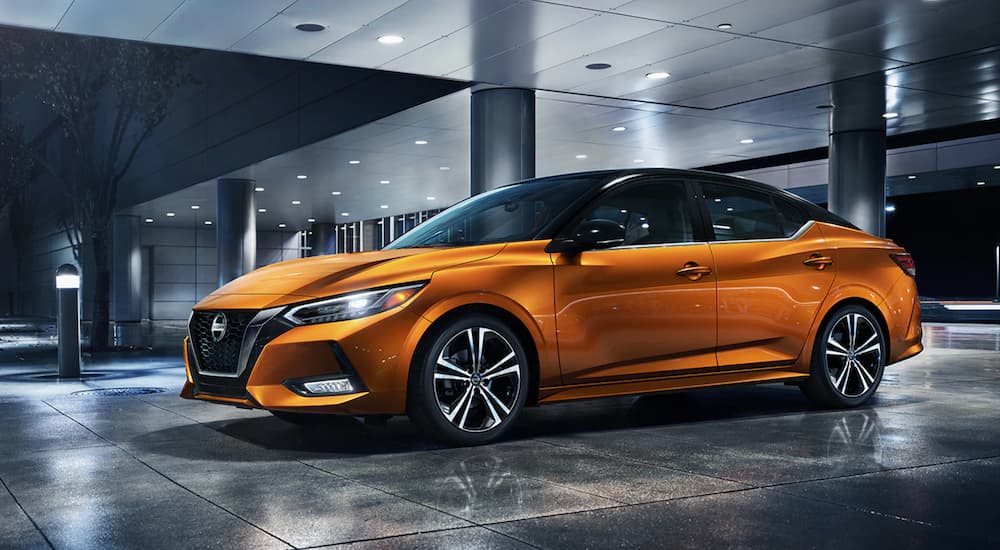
column 353, row 305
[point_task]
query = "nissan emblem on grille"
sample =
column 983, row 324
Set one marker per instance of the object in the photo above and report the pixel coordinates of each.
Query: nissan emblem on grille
column 219, row 326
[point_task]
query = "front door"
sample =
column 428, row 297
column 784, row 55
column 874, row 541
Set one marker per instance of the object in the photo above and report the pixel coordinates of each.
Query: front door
column 645, row 308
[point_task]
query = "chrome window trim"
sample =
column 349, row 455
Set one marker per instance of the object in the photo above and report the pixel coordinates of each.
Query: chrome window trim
column 654, row 245
column 805, row 227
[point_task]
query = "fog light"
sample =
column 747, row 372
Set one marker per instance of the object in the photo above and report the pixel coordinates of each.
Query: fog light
column 333, row 386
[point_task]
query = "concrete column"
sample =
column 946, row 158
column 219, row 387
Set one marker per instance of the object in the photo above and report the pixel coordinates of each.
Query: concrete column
column 323, row 240
column 235, row 229
column 126, row 270
column 503, row 137
column 857, row 152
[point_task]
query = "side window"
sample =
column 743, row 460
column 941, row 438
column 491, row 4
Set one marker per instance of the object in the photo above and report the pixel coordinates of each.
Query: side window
column 652, row 212
column 741, row 214
column 791, row 216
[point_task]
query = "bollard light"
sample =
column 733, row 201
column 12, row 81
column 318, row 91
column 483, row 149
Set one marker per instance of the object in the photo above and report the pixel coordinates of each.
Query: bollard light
column 68, row 321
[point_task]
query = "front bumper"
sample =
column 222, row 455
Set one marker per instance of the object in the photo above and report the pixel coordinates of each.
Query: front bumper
column 376, row 351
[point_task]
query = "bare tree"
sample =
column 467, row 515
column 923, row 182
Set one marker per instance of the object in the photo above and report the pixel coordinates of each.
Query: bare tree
column 107, row 96
column 16, row 170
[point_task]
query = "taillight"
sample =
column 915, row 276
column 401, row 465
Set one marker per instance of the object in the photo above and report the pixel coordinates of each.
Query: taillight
column 906, row 263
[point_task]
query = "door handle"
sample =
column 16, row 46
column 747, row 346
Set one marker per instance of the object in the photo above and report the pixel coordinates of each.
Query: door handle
column 693, row 271
column 819, row 261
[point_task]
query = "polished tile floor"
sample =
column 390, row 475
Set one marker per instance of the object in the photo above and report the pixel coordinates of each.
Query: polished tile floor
column 754, row 467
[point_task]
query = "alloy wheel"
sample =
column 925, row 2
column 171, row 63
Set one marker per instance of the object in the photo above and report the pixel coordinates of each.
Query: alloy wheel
column 477, row 377
column 853, row 354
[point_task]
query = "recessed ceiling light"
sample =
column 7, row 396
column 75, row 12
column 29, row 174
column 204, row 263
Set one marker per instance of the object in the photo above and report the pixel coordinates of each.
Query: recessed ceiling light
column 746, row 141
column 311, row 220
column 890, row 208
column 296, row 202
column 581, row 156
column 208, row 222
column 281, row 225
column 262, row 210
column 310, row 27
column 258, row 189
column 431, row 198
column 195, row 207
column 599, row 66
column 911, row 177
column 618, row 129
column 384, row 182
column 335, row 193
column 980, row 183
column 996, row 167
column 444, row 167
column 149, row 220
column 729, row 209
column 301, row 177
column 638, row 161
column 657, row 75
column 889, row 115
column 390, row 39
column 420, row 142
column 383, row 206
column 718, row 200
column 354, row 162
column 345, row 213
column 171, row 214
column 724, row 26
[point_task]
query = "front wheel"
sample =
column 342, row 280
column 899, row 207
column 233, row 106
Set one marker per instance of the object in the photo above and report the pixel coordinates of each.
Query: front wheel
column 848, row 359
column 470, row 383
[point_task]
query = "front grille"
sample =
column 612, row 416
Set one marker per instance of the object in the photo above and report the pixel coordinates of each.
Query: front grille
column 219, row 357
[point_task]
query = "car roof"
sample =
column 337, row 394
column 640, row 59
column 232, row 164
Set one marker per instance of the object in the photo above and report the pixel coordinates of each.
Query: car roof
column 603, row 177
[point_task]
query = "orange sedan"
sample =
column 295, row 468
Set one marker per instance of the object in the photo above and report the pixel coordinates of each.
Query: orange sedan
column 560, row 288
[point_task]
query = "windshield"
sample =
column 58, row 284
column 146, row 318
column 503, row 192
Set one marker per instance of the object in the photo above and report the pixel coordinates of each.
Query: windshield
column 513, row 213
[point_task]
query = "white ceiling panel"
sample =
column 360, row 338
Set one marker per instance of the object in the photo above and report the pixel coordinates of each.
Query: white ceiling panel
column 215, row 24
column 39, row 14
column 420, row 22
column 279, row 38
column 117, row 18
column 505, row 30
column 675, row 10
column 756, row 16
column 518, row 66
column 646, row 52
column 718, row 58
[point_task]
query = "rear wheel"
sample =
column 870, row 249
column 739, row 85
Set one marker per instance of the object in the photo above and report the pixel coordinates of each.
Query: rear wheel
column 848, row 359
column 471, row 382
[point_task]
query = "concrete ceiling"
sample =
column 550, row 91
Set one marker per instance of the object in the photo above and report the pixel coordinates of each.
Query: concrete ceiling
column 762, row 79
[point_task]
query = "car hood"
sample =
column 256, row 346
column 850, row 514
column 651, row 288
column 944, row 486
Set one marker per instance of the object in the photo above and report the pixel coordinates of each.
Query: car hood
column 310, row 278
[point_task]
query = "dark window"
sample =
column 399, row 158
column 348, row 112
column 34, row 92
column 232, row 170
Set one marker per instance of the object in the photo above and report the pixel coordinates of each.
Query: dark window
column 791, row 215
column 651, row 212
column 740, row 214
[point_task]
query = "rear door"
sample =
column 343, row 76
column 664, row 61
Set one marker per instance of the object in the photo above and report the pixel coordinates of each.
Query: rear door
column 774, row 269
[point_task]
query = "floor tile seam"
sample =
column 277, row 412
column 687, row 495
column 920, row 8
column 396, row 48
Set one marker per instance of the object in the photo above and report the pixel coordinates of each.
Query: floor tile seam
column 861, row 509
column 512, row 537
column 388, row 492
column 880, row 471
column 622, row 506
column 58, row 449
column 634, row 460
column 175, row 482
column 544, row 481
column 26, row 514
column 151, row 404
column 391, row 537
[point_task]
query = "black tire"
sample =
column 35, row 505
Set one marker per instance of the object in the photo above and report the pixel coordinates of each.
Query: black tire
column 303, row 419
column 846, row 373
column 494, row 391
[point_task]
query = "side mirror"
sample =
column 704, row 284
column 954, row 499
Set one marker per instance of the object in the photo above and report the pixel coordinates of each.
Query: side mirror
column 590, row 235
